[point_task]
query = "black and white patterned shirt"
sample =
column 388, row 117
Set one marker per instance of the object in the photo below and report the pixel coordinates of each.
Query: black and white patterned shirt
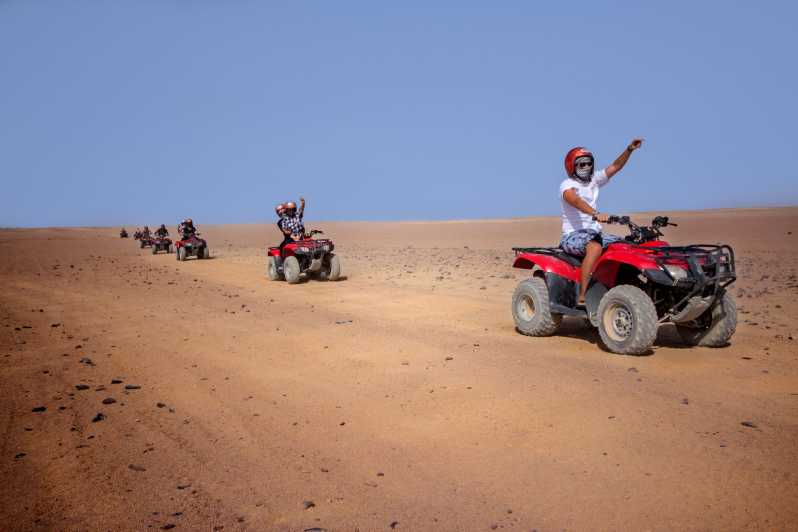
column 293, row 224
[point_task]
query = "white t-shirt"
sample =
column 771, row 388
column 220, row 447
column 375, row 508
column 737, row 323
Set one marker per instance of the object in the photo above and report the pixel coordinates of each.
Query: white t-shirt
column 572, row 218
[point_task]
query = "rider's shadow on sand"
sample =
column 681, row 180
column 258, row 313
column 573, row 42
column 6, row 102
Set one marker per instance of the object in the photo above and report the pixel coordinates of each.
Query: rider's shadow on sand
column 579, row 328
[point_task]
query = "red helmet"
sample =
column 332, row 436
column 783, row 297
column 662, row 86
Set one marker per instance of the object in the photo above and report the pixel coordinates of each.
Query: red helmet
column 571, row 156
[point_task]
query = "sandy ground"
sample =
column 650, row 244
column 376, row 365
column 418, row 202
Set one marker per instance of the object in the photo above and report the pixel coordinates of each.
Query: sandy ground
column 201, row 396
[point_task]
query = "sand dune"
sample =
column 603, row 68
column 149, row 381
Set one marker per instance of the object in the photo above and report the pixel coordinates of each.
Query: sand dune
column 139, row 392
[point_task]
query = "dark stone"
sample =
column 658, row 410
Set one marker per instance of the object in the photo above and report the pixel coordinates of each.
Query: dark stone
column 109, row 401
column 82, row 387
column 749, row 424
column 19, row 455
column 308, row 505
column 394, row 524
column 39, row 409
column 99, row 417
column 160, row 405
column 138, row 468
column 116, row 381
column 168, row 526
column 132, row 387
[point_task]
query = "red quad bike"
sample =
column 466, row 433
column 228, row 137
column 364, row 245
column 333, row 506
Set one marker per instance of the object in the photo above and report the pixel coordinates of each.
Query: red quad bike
column 193, row 246
column 161, row 243
column 137, row 235
column 310, row 256
column 146, row 241
column 123, row 234
column 637, row 284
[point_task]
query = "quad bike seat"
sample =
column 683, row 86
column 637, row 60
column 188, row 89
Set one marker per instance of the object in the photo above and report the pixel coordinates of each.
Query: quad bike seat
column 573, row 260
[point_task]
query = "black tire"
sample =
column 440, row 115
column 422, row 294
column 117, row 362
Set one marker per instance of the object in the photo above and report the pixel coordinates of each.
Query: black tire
column 181, row 254
column 531, row 309
column 154, row 250
column 291, row 270
column 206, row 252
column 627, row 320
column 169, row 249
column 334, row 273
column 271, row 269
column 719, row 328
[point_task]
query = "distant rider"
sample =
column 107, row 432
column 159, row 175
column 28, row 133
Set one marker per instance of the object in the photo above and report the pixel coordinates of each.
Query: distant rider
column 146, row 232
column 581, row 227
column 162, row 232
column 291, row 223
column 187, row 229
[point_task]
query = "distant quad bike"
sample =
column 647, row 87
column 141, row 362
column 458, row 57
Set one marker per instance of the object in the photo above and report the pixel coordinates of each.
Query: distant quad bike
column 123, row 234
column 636, row 285
column 137, row 235
column 313, row 257
column 193, row 246
column 161, row 243
column 146, row 241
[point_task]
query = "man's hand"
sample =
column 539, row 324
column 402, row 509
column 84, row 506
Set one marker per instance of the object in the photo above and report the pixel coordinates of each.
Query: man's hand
column 636, row 143
column 601, row 218
column 301, row 200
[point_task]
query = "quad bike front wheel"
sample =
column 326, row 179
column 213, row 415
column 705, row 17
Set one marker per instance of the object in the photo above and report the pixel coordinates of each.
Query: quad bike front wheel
column 627, row 320
column 331, row 271
column 272, row 270
column 291, row 270
column 531, row 309
column 154, row 250
column 205, row 253
column 181, row 254
column 715, row 327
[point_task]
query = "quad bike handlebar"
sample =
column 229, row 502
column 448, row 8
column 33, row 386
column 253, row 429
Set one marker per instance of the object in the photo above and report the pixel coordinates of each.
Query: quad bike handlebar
column 638, row 233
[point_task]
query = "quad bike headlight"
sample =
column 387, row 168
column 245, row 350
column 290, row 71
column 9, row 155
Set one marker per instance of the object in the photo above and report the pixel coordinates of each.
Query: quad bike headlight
column 304, row 250
column 677, row 272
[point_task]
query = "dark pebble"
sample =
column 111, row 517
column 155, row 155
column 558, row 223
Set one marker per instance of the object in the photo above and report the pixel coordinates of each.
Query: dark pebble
column 55, row 325
column 308, row 505
column 116, row 381
column 183, row 486
column 632, row 370
column 394, row 524
column 109, row 401
column 19, row 455
column 39, row 409
column 685, row 401
column 168, row 526
column 132, row 387
column 160, row 405
column 750, row 424
column 99, row 417
column 82, row 387
column 135, row 467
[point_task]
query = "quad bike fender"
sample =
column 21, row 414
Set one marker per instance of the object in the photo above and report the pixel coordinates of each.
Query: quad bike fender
column 527, row 261
column 592, row 300
column 273, row 251
column 610, row 262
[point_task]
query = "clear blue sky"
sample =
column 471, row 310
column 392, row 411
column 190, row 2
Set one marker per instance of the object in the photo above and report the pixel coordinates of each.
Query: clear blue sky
column 147, row 111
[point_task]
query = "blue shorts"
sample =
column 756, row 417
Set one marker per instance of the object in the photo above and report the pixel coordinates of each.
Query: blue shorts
column 574, row 243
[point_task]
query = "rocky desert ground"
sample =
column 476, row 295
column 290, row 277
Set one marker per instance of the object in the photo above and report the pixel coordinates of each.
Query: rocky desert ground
column 138, row 392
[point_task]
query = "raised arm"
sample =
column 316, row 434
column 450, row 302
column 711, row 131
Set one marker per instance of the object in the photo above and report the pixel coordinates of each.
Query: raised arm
column 620, row 162
column 301, row 206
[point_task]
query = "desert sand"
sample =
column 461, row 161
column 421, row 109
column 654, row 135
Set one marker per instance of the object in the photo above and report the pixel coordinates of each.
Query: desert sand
column 140, row 393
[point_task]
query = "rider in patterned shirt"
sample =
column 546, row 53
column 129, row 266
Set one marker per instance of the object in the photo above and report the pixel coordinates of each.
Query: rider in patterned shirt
column 291, row 223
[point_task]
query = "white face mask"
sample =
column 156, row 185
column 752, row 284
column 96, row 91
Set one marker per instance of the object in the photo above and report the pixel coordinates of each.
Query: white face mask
column 584, row 168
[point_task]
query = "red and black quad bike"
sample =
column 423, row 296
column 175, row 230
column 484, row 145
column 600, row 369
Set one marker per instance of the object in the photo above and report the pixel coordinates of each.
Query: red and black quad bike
column 146, row 241
column 311, row 256
column 137, row 235
column 161, row 243
column 123, row 234
column 193, row 246
column 637, row 284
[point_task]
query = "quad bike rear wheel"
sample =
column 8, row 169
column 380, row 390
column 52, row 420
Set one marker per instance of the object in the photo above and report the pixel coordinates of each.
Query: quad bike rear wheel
column 154, row 250
column 627, row 320
column 205, row 253
column 272, row 270
column 531, row 309
column 715, row 327
column 181, row 254
column 291, row 270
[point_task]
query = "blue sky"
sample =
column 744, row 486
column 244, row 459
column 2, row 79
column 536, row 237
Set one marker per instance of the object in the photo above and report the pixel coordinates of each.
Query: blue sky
column 148, row 111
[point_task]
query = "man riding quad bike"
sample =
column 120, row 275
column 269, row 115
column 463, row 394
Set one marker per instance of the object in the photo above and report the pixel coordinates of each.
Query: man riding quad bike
column 123, row 233
column 638, row 283
column 299, row 252
column 161, row 242
column 146, row 238
column 624, row 286
column 308, row 255
column 190, row 244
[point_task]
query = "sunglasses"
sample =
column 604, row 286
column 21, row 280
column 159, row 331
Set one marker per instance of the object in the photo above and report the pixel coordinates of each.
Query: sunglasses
column 584, row 164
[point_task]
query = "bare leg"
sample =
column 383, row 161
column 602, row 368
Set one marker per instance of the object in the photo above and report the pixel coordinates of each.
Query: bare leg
column 592, row 253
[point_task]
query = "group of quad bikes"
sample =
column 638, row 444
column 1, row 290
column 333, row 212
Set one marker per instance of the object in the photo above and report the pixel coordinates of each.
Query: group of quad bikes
column 191, row 246
column 637, row 284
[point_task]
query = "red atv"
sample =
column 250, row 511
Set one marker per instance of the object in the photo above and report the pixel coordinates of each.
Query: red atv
column 161, row 243
column 137, row 235
column 637, row 284
column 123, row 233
column 192, row 246
column 313, row 257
